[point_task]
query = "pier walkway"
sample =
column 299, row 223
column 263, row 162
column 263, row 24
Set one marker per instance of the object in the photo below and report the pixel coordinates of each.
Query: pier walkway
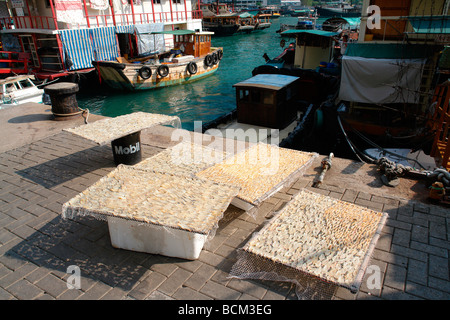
column 41, row 167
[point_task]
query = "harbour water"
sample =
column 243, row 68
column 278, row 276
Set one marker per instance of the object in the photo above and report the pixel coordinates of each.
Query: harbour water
column 203, row 100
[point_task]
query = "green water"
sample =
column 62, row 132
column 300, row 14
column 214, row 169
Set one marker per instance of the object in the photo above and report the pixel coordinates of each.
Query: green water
column 203, row 100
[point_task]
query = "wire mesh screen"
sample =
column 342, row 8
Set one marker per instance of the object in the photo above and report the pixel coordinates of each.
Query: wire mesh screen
column 106, row 130
column 315, row 241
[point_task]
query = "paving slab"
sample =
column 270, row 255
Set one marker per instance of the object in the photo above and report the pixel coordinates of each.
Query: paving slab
column 37, row 246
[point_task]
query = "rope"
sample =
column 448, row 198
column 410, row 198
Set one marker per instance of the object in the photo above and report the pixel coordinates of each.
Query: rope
column 82, row 111
column 353, row 147
column 382, row 149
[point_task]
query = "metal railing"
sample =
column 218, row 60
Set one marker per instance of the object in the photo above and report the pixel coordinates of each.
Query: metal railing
column 50, row 23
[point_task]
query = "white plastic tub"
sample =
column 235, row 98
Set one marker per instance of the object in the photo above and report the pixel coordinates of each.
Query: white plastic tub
column 149, row 238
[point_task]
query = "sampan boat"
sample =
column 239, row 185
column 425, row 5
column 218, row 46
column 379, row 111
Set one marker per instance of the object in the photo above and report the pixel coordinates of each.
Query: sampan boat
column 192, row 59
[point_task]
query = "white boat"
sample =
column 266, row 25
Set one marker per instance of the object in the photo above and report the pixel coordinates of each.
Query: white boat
column 18, row 90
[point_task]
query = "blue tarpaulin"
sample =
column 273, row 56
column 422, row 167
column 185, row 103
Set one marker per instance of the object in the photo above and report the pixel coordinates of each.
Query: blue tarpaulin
column 83, row 46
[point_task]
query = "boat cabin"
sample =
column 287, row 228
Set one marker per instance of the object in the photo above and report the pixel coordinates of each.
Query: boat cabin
column 19, row 89
column 267, row 100
column 312, row 47
column 196, row 44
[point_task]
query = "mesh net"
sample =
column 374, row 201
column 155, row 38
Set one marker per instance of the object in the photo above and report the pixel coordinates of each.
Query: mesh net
column 159, row 198
column 185, row 158
column 260, row 171
column 315, row 241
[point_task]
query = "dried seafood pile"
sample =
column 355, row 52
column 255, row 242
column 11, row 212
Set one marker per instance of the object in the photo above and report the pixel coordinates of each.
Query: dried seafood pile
column 320, row 236
column 259, row 170
column 184, row 158
column 182, row 202
column 107, row 130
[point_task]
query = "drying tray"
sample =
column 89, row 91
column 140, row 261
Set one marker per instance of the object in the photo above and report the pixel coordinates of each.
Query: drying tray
column 159, row 198
column 185, row 158
column 107, row 130
column 260, row 171
column 320, row 236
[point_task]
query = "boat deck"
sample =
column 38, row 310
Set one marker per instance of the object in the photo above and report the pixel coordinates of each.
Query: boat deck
column 42, row 167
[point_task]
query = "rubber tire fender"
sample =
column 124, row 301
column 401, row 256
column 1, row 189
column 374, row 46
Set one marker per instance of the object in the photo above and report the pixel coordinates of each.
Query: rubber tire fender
column 220, row 54
column 163, row 71
column 192, row 67
column 215, row 58
column 208, row 60
column 145, row 72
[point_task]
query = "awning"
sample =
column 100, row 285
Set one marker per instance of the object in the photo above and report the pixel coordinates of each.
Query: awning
column 430, row 24
column 313, row 32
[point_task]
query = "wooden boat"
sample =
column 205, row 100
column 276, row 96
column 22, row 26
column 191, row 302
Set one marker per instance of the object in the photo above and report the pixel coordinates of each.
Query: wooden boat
column 217, row 19
column 266, row 111
column 192, row 59
column 18, row 90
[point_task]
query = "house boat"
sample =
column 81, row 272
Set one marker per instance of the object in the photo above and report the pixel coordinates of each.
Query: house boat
column 393, row 91
column 62, row 41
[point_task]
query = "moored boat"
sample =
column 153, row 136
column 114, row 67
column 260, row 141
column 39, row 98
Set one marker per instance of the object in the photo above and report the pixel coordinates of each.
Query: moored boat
column 18, row 90
column 192, row 59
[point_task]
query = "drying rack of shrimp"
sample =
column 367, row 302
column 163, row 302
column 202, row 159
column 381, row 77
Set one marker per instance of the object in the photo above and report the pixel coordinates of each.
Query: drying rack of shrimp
column 260, row 171
column 314, row 235
column 154, row 212
column 184, row 158
column 107, row 130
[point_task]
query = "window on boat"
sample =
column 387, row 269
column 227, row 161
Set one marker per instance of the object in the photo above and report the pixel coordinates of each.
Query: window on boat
column 25, row 84
column 10, row 87
column 288, row 93
column 176, row 1
column 244, row 95
column 256, row 96
column 156, row 1
column 267, row 97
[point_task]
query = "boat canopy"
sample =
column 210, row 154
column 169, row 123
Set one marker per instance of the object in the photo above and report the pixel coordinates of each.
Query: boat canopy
column 268, row 81
column 313, row 32
column 353, row 22
column 245, row 15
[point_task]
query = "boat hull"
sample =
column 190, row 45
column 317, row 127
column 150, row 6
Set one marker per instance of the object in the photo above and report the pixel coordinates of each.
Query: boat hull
column 221, row 29
column 126, row 76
